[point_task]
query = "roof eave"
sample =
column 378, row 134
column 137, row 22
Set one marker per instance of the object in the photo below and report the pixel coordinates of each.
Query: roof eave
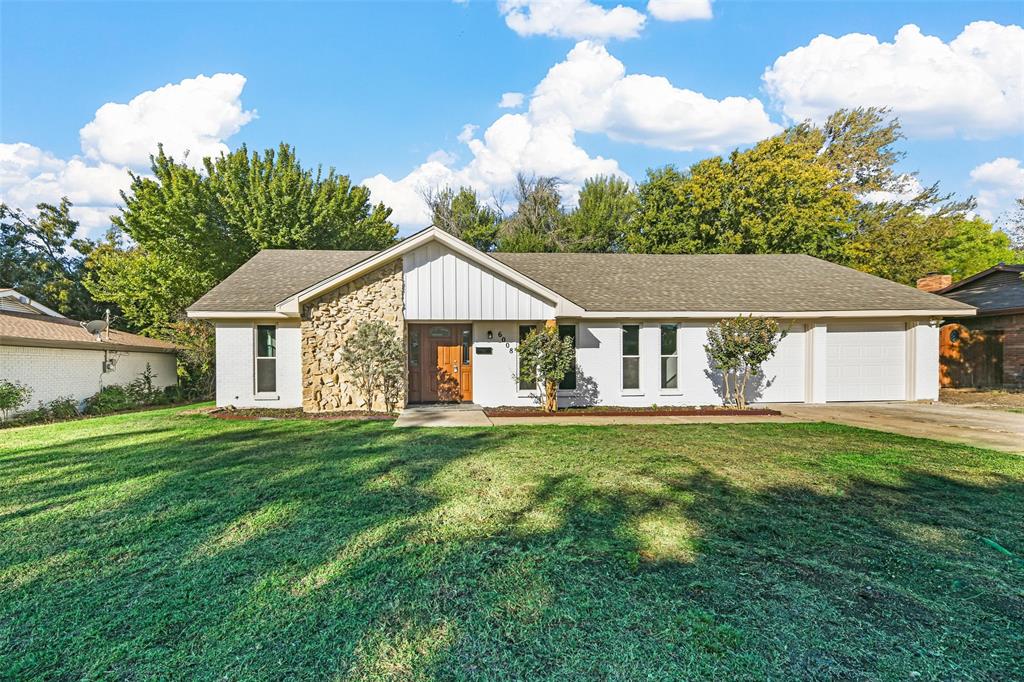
column 787, row 314
column 32, row 342
column 238, row 314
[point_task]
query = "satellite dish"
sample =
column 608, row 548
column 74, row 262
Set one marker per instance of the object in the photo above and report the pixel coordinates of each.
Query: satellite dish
column 96, row 327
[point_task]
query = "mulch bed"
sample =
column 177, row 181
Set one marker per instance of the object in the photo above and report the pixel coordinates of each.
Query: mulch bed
column 631, row 412
column 296, row 413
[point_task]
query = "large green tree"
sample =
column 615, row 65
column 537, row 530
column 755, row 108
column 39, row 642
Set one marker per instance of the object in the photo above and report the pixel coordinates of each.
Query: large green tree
column 183, row 230
column 606, row 207
column 776, row 197
column 538, row 220
column 463, row 214
column 41, row 258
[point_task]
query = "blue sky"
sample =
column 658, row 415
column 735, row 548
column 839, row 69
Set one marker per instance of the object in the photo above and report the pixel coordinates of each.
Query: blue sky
column 383, row 90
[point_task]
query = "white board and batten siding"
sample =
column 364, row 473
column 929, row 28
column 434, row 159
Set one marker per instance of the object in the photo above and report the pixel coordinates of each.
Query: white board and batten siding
column 442, row 285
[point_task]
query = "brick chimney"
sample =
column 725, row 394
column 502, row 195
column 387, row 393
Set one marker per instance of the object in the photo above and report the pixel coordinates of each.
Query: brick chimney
column 934, row 281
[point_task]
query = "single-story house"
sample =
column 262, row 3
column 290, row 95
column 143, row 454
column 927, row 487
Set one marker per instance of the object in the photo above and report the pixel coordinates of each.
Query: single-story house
column 986, row 351
column 639, row 323
column 57, row 357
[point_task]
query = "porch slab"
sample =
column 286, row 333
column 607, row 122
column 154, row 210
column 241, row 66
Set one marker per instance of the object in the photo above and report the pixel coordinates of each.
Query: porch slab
column 442, row 416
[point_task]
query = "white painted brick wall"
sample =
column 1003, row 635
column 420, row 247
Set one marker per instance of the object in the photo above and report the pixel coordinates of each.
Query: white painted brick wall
column 236, row 365
column 58, row 372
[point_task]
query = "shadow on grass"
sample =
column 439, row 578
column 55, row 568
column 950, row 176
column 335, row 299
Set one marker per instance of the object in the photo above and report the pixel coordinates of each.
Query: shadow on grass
column 207, row 549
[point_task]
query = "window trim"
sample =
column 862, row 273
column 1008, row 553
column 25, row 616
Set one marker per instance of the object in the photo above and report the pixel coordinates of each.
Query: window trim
column 639, row 390
column 256, row 357
column 678, row 389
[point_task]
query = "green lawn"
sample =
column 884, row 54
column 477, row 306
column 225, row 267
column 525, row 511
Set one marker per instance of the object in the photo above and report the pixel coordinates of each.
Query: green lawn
column 157, row 545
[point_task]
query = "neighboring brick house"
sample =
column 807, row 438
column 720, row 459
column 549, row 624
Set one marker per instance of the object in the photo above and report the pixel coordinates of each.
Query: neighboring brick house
column 57, row 357
column 985, row 351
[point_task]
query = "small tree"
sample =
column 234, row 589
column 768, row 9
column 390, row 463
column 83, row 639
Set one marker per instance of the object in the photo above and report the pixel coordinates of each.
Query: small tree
column 374, row 359
column 392, row 375
column 546, row 357
column 738, row 347
column 13, row 396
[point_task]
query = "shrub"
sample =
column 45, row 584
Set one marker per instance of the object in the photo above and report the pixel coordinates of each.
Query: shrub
column 61, row 409
column 737, row 347
column 13, row 396
column 112, row 399
column 143, row 388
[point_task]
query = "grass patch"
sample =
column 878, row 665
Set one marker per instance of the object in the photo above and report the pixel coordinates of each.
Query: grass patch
column 161, row 545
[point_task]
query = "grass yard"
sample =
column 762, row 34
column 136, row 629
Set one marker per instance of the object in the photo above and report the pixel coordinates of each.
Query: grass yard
column 159, row 545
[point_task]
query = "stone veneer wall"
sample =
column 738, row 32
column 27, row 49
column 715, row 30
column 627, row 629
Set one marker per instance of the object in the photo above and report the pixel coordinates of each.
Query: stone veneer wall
column 329, row 320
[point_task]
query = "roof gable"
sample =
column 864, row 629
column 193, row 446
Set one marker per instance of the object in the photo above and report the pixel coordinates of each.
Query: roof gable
column 563, row 306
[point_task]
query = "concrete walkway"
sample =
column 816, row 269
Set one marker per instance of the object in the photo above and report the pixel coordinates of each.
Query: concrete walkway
column 953, row 423
column 442, row 415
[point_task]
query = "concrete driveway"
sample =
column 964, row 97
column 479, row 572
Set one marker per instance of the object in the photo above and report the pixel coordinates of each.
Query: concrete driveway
column 977, row 426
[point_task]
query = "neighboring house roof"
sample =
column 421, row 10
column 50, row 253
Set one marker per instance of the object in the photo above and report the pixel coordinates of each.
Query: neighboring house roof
column 273, row 275
column 31, row 329
column 604, row 283
column 996, row 291
column 11, row 300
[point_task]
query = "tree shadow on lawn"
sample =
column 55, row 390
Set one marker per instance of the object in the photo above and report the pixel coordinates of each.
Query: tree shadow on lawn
column 278, row 549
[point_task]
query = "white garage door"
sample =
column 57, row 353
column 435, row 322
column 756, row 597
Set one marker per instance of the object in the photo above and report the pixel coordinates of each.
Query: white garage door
column 867, row 361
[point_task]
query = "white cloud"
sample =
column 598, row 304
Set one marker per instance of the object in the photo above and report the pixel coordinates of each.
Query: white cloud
column 467, row 133
column 29, row 176
column 679, row 10
column 1000, row 183
column 589, row 92
column 571, row 19
column 972, row 86
column 511, row 100
column 591, row 88
column 196, row 115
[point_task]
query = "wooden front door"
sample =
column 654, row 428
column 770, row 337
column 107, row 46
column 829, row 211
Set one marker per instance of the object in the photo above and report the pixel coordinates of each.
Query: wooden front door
column 440, row 363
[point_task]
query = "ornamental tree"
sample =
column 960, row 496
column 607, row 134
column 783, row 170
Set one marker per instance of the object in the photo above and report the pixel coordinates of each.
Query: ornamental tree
column 374, row 359
column 738, row 347
column 546, row 357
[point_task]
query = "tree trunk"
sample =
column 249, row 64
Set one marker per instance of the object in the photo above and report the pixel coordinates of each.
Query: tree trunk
column 550, row 396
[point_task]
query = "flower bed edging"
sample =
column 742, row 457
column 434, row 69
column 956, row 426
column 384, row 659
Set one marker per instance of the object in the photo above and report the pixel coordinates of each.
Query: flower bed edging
column 631, row 412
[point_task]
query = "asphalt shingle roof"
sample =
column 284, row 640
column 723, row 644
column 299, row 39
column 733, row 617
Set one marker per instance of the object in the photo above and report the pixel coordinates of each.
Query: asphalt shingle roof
column 1001, row 289
column 273, row 275
column 60, row 332
column 716, row 282
column 617, row 282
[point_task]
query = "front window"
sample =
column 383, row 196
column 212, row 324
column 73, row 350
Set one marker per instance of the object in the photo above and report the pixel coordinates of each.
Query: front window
column 531, row 383
column 568, row 383
column 266, row 358
column 631, row 357
column 669, row 357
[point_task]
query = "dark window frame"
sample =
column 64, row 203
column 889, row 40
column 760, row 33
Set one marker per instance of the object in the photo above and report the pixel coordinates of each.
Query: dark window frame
column 568, row 383
column 269, row 357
